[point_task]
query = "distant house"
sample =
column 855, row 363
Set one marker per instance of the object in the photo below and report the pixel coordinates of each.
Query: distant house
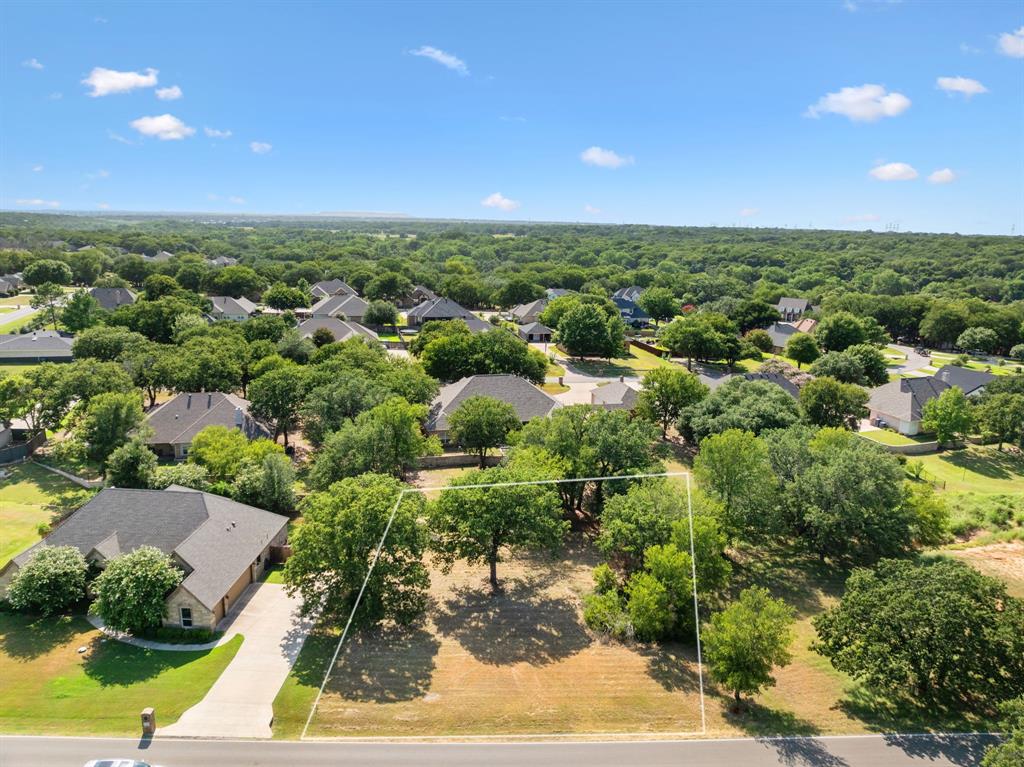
column 342, row 330
column 7, row 288
column 159, row 258
column 15, row 280
column 554, row 293
column 901, row 403
column 792, row 308
column 326, row 288
column 527, row 400
column 37, row 346
column 535, row 333
column 416, row 296
column 112, row 298
column 347, row 305
column 177, row 421
column 630, row 294
column 221, row 546
column 625, row 300
column 222, row 261
column 235, row 309
column 778, row 379
column 530, row 312
column 805, row 325
column 780, row 333
column 616, row 395
column 445, row 309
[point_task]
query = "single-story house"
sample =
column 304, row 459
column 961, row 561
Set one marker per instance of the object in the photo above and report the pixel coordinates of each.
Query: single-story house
column 528, row 401
column 177, row 421
column 222, row 261
column 342, row 330
column 37, row 346
column 347, row 305
column 416, row 296
column 525, row 314
column 780, row 333
column 7, row 288
column 445, row 309
column 15, row 280
column 112, row 298
column 617, row 395
column 554, row 293
column 792, row 308
column 159, row 258
column 534, row 332
column 326, row 288
column 235, row 309
column 221, row 546
column 971, row 382
column 778, row 379
column 901, row 403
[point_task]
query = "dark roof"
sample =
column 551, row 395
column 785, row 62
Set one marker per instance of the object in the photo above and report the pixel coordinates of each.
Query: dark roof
column 778, row 379
column 904, row 399
column 446, row 309
column 331, row 288
column 536, row 328
column 340, row 329
column 780, row 333
column 527, row 400
column 616, row 395
column 968, row 380
column 793, row 304
column 533, row 308
column 177, row 421
column 215, row 538
column 111, row 298
column 347, row 304
column 48, row 343
column 631, row 294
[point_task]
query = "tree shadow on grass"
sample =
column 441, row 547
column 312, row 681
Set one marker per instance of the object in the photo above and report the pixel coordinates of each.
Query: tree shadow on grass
column 887, row 714
column 26, row 637
column 112, row 663
column 673, row 666
column 519, row 625
column 385, row 665
column 990, row 463
column 789, row 573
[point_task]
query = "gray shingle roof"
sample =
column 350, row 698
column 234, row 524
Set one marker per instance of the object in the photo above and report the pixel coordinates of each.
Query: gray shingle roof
column 536, row 328
column 904, row 399
column 968, row 380
column 780, row 333
column 111, row 298
column 232, row 306
column 616, row 395
column 216, row 538
column 446, row 309
column 48, row 343
column 631, row 294
column 347, row 304
column 778, row 379
column 341, row 329
column 527, row 400
column 177, row 421
column 326, row 288
column 793, row 304
column 531, row 309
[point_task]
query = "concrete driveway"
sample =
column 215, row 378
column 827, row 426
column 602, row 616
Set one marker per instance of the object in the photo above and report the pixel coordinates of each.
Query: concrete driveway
column 240, row 703
column 914, row 361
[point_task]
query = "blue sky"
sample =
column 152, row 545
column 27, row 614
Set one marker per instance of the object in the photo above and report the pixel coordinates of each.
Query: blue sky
column 829, row 114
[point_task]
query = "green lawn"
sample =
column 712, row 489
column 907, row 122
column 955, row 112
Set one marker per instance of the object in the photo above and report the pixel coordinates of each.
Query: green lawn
column 887, row 437
column 24, row 497
column 15, row 325
column 50, row 688
column 636, row 364
column 976, row 469
column 976, row 363
column 18, row 368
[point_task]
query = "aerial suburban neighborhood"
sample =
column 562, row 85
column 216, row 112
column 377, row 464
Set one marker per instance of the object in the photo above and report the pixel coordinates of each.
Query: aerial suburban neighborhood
column 448, row 384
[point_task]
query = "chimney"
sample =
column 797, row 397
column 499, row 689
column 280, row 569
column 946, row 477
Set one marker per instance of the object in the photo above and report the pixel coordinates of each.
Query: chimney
column 238, row 417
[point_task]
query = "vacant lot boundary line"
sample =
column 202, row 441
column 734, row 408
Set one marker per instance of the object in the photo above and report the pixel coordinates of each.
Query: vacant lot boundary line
column 445, row 488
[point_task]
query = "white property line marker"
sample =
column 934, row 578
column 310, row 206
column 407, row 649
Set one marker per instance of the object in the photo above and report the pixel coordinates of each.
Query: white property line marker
column 442, row 488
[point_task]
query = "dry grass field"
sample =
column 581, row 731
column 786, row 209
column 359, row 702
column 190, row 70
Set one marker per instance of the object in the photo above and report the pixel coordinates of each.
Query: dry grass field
column 516, row 664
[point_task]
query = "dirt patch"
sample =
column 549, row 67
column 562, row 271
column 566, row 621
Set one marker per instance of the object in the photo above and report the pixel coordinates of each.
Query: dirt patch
column 518, row 663
column 1000, row 560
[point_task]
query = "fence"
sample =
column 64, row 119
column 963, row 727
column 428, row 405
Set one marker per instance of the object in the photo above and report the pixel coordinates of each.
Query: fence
column 649, row 348
column 21, row 450
column 454, row 460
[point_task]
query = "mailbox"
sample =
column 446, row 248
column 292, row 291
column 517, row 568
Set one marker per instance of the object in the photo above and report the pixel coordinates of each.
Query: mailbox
column 148, row 722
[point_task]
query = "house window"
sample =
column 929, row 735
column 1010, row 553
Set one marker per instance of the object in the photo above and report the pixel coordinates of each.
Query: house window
column 186, row 617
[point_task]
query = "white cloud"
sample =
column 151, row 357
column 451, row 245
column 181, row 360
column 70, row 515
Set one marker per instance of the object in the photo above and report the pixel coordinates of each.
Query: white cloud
column 103, row 205
column 591, row 210
column 237, row 200
column 214, row 133
column 969, row 49
column 862, row 218
column 746, row 212
column 942, row 176
column 119, row 138
column 894, row 171
column 169, row 94
column 443, row 58
column 604, row 158
column 32, row 63
column 106, row 81
column 1012, row 43
column 260, row 147
column 964, row 85
column 864, row 103
column 37, row 203
column 500, row 201
column 164, row 127
column 37, row 168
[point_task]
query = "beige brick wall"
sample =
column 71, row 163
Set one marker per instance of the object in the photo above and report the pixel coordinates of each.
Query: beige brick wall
column 201, row 616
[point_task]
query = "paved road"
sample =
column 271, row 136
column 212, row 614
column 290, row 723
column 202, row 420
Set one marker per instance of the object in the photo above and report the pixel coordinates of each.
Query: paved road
column 865, row 751
column 17, row 314
column 913, row 362
column 241, row 702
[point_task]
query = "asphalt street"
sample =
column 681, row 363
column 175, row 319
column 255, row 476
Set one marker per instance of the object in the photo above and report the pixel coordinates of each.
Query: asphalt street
column 841, row 751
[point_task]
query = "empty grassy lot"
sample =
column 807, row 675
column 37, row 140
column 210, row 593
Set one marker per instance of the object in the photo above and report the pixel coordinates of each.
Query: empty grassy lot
column 976, row 469
column 636, row 363
column 51, row 688
column 24, row 498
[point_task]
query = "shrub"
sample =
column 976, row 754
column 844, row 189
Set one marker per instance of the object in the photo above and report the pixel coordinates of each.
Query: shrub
column 603, row 613
column 649, row 607
column 130, row 593
column 605, row 580
column 53, row 579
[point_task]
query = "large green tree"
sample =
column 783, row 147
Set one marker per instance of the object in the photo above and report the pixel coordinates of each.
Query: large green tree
column 666, row 392
column 131, row 591
column 734, row 468
column 108, row 421
column 482, row 423
column 949, row 415
column 828, row 402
